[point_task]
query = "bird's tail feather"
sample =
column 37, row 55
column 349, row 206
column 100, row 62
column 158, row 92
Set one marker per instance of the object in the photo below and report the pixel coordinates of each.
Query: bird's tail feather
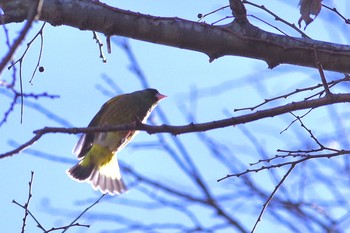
column 80, row 173
column 107, row 184
column 105, row 177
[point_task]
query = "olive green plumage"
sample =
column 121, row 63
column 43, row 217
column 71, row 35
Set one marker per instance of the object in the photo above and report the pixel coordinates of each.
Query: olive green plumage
column 97, row 151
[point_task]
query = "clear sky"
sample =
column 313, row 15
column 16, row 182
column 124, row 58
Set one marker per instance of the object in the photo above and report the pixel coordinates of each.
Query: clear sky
column 211, row 91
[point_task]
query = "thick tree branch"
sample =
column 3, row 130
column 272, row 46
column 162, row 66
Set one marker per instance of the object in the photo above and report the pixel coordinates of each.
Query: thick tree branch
column 239, row 11
column 215, row 41
column 176, row 130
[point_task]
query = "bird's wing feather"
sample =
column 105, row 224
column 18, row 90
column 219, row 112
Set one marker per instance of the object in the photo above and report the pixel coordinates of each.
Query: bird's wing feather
column 122, row 109
column 86, row 140
column 79, row 145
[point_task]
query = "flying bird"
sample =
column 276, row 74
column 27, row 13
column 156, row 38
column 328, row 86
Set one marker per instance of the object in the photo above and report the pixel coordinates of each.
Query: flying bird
column 97, row 151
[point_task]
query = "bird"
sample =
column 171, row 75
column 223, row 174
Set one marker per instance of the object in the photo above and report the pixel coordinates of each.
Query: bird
column 98, row 163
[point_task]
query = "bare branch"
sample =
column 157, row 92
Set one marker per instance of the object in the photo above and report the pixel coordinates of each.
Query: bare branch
column 39, row 225
column 215, row 41
column 303, row 154
column 239, row 11
column 202, row 16
column 347, row 21
column 271, row 196
column 26, row 205
column 323, row 77
column 82, row 213
column 22, row 147
column 32, row 13
column 278, row 18
column 100, row 45
column 298, row 90
column 17, row 94
column 176, row 130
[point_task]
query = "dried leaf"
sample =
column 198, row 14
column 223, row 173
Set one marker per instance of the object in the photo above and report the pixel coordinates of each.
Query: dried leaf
column 307, row 8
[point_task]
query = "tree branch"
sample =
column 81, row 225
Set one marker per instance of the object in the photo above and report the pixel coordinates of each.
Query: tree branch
column 190, row 128
column 239, row 11
column 236, row 38
column 271, row 196
column 30, row 14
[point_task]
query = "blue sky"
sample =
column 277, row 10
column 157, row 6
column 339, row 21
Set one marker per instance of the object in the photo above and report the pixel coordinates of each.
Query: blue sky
column 74, row 71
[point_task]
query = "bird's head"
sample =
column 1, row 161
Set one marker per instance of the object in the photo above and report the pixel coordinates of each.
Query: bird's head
column 151, row 95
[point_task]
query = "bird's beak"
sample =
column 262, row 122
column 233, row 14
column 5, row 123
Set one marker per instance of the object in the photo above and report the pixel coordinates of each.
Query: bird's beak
column 160, row 96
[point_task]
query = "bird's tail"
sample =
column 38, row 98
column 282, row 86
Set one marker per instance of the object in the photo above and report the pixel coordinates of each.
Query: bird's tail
column 80, row 172
column 105, row 176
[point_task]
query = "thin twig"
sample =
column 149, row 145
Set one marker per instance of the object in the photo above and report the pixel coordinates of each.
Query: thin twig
column 295, row 120
column 277, row 17
column 26, row 205
column 17, row 94
column 66, row 227
column 202, row 16
column 320, row 70
column 100, row 45
column 82, row 213
column 41, row 33
column 299, row 90
column 347, row 21
column 33, row 12
column 309, row 131
column 271, row 196
column 304, row 157
column 20, row 60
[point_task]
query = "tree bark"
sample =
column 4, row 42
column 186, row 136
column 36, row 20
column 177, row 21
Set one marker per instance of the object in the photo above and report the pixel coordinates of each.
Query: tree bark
column 236, row 38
